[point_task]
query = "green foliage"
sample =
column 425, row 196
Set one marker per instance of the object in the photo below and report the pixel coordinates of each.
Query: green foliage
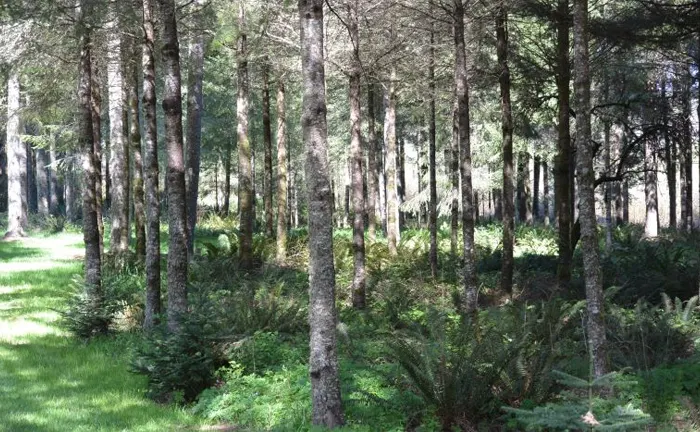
column 589, row 405
column 663, row 389
column 88, row 314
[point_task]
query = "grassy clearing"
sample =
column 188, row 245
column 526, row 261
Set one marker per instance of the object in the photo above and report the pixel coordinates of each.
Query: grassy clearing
column 49, row 381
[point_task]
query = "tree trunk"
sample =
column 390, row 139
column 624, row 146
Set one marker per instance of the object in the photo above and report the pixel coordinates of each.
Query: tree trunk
column 93, row 265
column 536, row 215
column 327, row 409
column 562, row 175
column 96, row 106
column 545, row 192
column 16, row 162
column 135, row 144
column 245, row 167
column 356, row 156
column 401, row 179
column 153, row 302
column 452, row 159
column 42, row 182
column 177, row 207
column 392, row 196
column 607, row 196
column 465, row 162
column 586, row 179
column 54, row 189
column 281, row 173
column 687, row 155
column 227, row 180
column 508, row 263
column 195, row 107
column 119, row 168
column 267, row 142
column 372, row 170
column 432, row 208
column 651, row 227
column 524, row 194
column 32, row 203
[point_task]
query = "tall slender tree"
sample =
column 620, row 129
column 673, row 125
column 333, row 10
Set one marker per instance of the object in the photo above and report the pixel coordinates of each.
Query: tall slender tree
column 507, row 150
column 586, row 182
column 267, row 144
column 16, row 162
column 246, row 195
column 281, row 172
column 392, row 196
column 153, row 303
column 135, row 144
column 195, row 108
column 327, row 409
column 177, row 213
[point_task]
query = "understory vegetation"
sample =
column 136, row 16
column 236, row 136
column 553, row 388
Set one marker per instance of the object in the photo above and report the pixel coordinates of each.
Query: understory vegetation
column 413, row 360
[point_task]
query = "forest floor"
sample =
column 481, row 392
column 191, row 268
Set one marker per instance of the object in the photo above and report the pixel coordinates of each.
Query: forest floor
column 49, row 381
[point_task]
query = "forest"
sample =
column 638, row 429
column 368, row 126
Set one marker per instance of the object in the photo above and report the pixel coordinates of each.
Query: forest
column 363, row 215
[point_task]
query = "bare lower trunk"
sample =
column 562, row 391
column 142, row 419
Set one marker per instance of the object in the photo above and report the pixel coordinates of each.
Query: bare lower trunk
column 177, row 213
column 356, row 156
column 545, row 192
column 562, row 165
column 432, row 207
column 327, row 409
column 245, row 165
column 119, row 168
column 153, row 302
column 507, row 150
column 135, row 144
column 586, row 175
column 536, row 215
column 267, row 142
column 607, row 197
column 93, row 265
column 42, row 182
column 195, row 108
column 281, row 173
column 471, row 289
column 687, row 156
column 392, row 198
column 96, row 105
column 651, row 225
column 453, row 171
column 372, row 171
column 16, row 162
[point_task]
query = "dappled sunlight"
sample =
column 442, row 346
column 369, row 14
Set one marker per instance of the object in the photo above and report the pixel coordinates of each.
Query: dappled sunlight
column 52, row 382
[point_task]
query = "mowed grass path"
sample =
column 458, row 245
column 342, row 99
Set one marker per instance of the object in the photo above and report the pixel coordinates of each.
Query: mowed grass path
column 50, row 381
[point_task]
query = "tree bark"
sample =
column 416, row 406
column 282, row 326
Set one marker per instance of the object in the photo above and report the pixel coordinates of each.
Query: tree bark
column 687, row 197
column 153, row 302
column 536, row 215
column 42, row 182
column 607, row 195
column 32, row 202
column 508, row 263
column 524, row 195
column 327, row 409
column 245, row 167
column 281, row 173
column 93, row 264
column 356, row 156
column 177, row 207
column 545, row 192
column 392, row 196
column 195, row 107
column 96, row 105
column 16, row 162
column 586, row 180
column 651, row 224
column 267, row 142
column 372, row 170
column 465, row 163
column 432, row 209
column 562, row 175
column 119, row 168
column 135, row 144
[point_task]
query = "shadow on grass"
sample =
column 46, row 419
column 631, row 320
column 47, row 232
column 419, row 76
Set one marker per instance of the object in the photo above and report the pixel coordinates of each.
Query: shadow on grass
column 12, row 250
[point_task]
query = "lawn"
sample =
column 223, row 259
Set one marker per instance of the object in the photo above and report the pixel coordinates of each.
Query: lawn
column 50, row 381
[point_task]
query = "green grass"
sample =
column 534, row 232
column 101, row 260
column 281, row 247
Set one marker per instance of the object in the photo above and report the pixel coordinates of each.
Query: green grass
column 48, row 380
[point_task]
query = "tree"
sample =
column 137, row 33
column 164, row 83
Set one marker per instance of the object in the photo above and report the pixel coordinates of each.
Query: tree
column 471, row 289
column 246, row 195
column 91, row 233
column 195, row 107
column 356, row 156
column 119, row 163
column 586, row 181
column 432, row 206
column 281, row 173
column 507, row 150
column 267, row 143
column 327, row 409
column 135, row 144
column 177, row 217
column 392, row 198
column 153, row 303
column 17, row 162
